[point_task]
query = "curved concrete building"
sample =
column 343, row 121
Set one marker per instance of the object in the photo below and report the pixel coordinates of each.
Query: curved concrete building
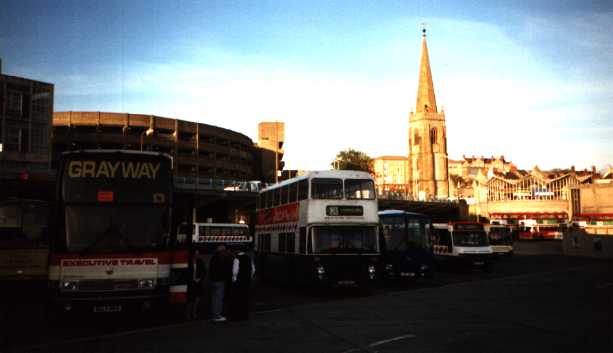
column 200, row 150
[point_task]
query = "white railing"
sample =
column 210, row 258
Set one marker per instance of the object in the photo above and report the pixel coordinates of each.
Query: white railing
column 191, row 183
column 396, row 195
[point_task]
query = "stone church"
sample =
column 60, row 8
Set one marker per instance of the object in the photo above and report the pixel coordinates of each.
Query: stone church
column 428, row 171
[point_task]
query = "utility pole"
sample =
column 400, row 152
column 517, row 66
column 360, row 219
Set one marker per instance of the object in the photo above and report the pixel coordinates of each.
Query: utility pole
column 276, row 152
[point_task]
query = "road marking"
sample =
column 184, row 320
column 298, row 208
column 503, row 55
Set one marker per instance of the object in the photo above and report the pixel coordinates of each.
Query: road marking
column 378, row 343
column 268, row 311
column 382, row 342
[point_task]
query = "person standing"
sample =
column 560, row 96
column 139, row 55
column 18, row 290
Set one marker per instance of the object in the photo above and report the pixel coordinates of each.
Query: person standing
column 220, row 272
column 242, row 273
column 196, row 285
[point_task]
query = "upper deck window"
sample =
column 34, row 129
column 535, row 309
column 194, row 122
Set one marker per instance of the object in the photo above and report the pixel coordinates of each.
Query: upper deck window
column 326, row 188
column 359, row 189
column 303, row 189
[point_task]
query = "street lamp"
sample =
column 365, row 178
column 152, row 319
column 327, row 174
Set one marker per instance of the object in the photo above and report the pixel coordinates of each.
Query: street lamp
column 147, row 132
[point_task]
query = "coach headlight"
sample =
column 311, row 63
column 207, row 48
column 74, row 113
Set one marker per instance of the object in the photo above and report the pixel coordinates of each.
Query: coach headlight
column 371, row 271
column 70, row 285
column 146, row 283
column 321, row 271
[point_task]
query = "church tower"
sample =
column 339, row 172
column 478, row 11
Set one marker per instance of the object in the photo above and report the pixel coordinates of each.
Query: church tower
column 428, row 173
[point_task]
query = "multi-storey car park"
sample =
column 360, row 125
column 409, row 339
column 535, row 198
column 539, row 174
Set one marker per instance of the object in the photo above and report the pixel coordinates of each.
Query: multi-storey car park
column 201, row 152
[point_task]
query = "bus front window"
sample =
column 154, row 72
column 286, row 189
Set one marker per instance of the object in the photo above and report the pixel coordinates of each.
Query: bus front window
column 400, row 236
column 470, row 238
column 344, row 239
column 356, row 189
column 500, row 236
column 326, row 188
column 92, row 228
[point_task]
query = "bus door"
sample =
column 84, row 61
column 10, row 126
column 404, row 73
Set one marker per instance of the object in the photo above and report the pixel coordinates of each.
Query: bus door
column 441, row 242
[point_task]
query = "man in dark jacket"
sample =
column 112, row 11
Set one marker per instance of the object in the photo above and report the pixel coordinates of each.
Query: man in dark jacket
column 220, row 272
column 242, row 273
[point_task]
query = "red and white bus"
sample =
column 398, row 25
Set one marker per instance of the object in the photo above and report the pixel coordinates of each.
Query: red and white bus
column 594, row 223
column 319, row 228
column 535, row 225
column 114, row 247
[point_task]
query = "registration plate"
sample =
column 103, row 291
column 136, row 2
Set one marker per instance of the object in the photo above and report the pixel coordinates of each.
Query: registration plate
column 346, row 283
column 107, row 308
column 407, row 274
column 479, row 263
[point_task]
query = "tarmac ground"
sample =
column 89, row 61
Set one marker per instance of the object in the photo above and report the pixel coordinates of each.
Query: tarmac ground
column 536, row 301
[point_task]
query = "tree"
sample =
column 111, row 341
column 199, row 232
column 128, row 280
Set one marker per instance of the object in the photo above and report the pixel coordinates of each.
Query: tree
column 351, row 159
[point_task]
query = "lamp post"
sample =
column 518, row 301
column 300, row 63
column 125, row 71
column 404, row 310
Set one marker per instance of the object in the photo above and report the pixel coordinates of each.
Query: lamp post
column 276, row 152
column 147, row 132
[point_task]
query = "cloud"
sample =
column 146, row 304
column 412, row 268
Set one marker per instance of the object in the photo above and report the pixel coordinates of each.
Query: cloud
column 499, row 99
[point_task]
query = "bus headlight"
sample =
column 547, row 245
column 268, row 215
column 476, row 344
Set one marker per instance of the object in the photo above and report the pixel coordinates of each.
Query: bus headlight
column 70, row 285
column 371, row 271
column 321, row 271
column 146, row 283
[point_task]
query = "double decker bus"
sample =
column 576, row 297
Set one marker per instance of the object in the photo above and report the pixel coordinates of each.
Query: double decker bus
column 319, row 228
column 406, row 252
column 113, row 248
column 462, row 242
column 501, row 238
column 24, row 250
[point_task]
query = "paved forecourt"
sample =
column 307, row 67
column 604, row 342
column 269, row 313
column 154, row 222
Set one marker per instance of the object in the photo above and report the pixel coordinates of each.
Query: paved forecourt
column 566, row 310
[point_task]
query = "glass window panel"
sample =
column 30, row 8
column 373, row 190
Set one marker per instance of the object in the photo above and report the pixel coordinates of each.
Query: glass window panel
column 326, row 188
column 359, row 189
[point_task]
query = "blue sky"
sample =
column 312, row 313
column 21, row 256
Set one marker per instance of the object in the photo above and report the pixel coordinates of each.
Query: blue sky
column 530, row 80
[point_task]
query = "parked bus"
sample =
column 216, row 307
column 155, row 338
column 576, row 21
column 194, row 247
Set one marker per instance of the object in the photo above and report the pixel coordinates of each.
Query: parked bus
column 24, row 249
column 113, row 248
column 208, row 236
column 593, row 223
column 534, row 225
column 319, row 228
column 406, row 252
column 500, row 237
column 541, row 229
column 463, row 243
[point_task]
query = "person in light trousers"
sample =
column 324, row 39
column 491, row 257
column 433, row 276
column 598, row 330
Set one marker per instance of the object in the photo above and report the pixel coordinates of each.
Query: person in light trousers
column 220, row 272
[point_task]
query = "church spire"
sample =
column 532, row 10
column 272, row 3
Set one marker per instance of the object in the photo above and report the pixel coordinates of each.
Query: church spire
column 426, row 102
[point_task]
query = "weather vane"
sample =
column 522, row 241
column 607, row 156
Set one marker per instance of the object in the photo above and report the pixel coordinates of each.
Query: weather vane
column 423, row 28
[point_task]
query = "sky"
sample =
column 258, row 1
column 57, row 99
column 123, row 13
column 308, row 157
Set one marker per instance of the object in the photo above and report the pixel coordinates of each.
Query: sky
column 530, row 80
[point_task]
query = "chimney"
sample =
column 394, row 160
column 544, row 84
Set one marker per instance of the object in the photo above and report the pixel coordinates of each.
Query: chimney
column 593, row 169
